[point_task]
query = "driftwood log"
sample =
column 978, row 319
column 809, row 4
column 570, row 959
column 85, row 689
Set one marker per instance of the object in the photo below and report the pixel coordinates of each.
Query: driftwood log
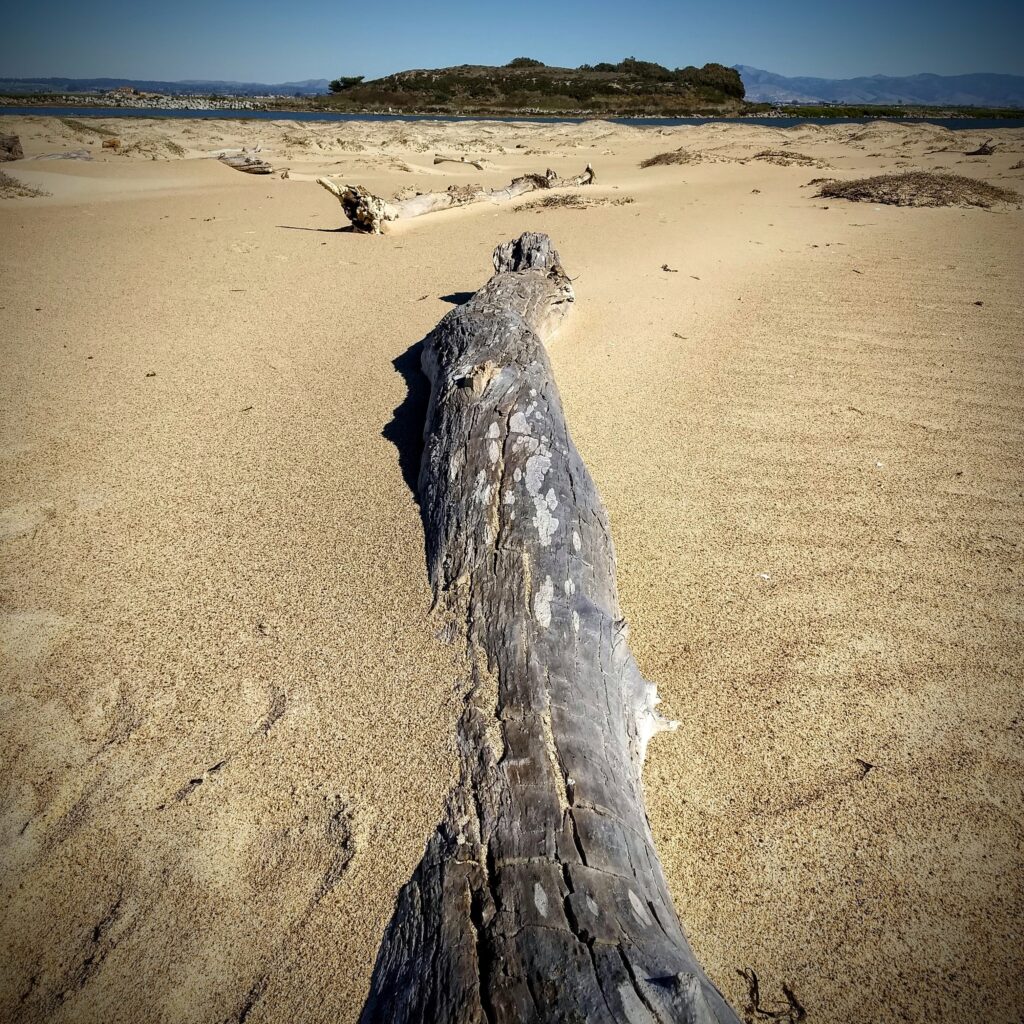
column 985, row 149
column 248, row 163
column 540, row 898
column 369, row 213
column 10, row 148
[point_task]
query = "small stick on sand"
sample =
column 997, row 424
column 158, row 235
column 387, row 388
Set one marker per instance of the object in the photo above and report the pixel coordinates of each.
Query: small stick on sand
column 438, row 159
column 540, row 898
column 369, row 213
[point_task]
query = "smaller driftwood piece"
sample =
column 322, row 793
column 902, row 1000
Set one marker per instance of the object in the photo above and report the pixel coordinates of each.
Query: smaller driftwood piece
column 369, row 213
column 248, row 163
column 985, row 149
column 10, row 148
column 438, row 159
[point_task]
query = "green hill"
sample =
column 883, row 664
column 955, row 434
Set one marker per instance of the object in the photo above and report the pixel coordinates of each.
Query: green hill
column 629, row 87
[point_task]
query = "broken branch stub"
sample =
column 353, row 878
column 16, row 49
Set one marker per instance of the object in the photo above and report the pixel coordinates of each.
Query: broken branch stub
column 369, row 213
column 985, row 149
column 540, row 898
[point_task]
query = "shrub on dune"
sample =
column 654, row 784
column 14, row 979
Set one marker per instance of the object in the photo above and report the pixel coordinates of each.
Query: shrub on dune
column 676, row 156
column 919, row 188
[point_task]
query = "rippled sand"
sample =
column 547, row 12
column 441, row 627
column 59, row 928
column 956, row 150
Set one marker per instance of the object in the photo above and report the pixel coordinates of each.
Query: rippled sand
column 228, row 718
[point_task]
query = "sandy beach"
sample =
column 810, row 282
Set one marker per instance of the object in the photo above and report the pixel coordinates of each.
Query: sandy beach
column 228, row 713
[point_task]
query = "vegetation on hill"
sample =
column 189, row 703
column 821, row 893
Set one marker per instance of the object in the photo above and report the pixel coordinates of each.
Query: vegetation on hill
column 918, row 188
column 630, row 87
column 341, row 84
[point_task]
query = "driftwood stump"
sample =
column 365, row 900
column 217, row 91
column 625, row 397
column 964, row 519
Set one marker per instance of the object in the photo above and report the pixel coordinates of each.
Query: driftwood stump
column 248, row 163
column 540, row 898
column 369, row 213
column 985, row 149
column 10, row 148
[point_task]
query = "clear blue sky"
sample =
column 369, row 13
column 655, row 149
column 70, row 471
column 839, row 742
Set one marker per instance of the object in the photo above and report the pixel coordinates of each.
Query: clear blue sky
column 276, row 41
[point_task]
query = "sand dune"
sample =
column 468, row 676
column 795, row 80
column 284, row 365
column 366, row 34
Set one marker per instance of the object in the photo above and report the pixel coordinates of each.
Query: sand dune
column 228, row 717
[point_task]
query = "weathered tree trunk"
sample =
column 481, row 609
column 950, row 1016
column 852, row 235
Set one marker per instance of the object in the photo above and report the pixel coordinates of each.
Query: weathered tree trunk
column 540, row 898
column 369, row 213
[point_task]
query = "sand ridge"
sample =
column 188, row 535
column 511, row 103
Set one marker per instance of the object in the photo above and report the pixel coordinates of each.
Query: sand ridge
column 228, row 712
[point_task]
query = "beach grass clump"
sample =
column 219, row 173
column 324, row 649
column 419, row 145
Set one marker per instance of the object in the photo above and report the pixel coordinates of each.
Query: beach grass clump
column 561, row 201
column 12, row 188
column 786, row 157
column 676, row 156
column 568, row 201
column 86, row 127
column 919, row 188
column 574, row 201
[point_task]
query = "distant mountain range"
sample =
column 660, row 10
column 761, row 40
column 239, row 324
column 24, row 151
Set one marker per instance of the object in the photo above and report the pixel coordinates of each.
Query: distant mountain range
column 310, row 87
column 980, row 90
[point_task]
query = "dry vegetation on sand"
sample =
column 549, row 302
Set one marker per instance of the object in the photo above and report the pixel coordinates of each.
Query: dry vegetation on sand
column 86, row 127
column 11, row 188
column 786, row 157
column 676, row 156
column 918, row 188
column 782, row 157
column 574, row 201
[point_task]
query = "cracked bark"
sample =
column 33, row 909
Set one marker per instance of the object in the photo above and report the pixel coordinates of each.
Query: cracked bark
column 540, row 898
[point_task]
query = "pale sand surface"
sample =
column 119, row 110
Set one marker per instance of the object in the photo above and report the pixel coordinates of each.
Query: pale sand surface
column 227, row 721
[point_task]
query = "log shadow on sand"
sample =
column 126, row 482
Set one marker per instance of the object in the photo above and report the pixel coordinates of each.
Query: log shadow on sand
column 405, row 428
column 344, row 229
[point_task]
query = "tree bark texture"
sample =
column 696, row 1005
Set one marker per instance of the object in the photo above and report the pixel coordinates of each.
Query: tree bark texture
column 540, row 898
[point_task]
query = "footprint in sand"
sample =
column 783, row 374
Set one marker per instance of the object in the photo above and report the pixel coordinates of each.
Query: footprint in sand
column 13, row 449
column 20, row 520
column 243, row 247
column 26, row 637
column 92, row 501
